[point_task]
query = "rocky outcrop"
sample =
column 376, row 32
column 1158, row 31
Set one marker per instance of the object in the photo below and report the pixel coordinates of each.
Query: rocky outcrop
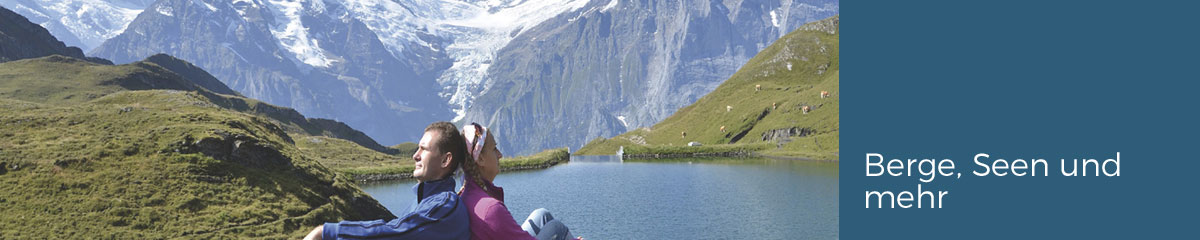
column 374, row 177
column 236, row 148
column 785, row 133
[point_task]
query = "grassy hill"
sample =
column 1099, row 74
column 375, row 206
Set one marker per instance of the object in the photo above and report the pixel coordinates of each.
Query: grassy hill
column 792, row 73
column 136, row 151
column 75, row 82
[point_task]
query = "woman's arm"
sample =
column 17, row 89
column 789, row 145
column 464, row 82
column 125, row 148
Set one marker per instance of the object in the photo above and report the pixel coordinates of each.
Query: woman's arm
column 315, row 234
column 501, row 223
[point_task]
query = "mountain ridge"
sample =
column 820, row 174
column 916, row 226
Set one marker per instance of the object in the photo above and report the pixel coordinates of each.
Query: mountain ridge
column 20, row 39
column 355, row 79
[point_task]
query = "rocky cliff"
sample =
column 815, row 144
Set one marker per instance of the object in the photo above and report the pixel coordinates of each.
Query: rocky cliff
column 614, row 66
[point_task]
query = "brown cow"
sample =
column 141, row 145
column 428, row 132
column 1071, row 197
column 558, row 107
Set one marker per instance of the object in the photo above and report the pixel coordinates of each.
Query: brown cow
column 824, row 94
column 805, row 109
column 722, row 128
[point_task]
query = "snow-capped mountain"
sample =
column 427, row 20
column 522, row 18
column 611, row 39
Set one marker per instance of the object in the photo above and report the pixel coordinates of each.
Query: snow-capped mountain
column 22, row 39
column 591, row 68
column 81, row 23
column 473, row 30
column 444, row 42
column 314, row 56
column 479, row 32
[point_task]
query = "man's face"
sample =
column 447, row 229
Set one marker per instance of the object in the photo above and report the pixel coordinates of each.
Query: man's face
column 430, row 162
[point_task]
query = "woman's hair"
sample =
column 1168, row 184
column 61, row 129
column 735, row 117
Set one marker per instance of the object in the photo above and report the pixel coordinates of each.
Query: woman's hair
column 476, row 138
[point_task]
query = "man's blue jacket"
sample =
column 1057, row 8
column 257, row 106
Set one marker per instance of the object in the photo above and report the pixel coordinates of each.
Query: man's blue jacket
column 437, row 214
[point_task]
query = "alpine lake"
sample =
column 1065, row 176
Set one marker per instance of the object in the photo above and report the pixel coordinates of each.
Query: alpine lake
column 605, row 197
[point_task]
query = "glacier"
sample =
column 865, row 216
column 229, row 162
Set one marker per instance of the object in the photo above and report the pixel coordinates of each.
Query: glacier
column 292, row 34
column 81, row 23
column 475, row 31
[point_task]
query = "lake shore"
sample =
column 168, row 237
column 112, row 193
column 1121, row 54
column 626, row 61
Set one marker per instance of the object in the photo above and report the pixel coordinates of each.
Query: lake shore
column 726, row 155
column 762, row 150
column 793, row 158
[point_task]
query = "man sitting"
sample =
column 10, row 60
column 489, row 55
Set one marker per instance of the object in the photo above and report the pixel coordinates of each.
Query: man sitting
column 438, row 212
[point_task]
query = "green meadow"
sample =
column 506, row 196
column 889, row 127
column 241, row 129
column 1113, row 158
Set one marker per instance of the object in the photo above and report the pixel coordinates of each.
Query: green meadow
column 756, row 106
column 135, row 151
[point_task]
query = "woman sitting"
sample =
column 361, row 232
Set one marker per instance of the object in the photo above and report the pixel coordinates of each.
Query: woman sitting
column 489, row 218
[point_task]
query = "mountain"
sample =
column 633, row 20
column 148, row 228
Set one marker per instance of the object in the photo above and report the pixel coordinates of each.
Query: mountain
column 472, row 31
column 140, row 151
column 191, row 72
column 312, row 56
column 612, row 66
column 20, row 39
column 83, row 23
column 384, row 66
column 763, row 103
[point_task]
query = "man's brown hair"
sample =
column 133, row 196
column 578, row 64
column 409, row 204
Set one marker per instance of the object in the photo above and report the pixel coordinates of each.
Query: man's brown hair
column 450, row 141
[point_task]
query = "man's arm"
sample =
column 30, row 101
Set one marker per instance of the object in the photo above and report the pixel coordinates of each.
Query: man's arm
column 440, row 216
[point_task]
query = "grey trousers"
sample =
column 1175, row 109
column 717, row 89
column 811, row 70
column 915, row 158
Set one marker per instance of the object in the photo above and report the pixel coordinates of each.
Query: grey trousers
column 542, row 225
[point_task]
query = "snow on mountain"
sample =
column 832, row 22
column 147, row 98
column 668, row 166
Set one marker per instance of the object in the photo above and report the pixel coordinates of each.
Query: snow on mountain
column 611, row 4
column 343, row 58
column 81, row 23
column 475, row 31
column 468, row 32
column 483, row 35
column 292, row 34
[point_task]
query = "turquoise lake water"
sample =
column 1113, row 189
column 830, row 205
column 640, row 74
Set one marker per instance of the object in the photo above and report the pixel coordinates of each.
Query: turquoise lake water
column 601, row 197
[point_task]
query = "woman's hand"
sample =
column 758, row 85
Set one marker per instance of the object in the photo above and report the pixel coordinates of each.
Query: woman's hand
column 316, row 233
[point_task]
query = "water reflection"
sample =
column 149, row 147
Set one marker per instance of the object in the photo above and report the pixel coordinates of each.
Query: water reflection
column 596, row 159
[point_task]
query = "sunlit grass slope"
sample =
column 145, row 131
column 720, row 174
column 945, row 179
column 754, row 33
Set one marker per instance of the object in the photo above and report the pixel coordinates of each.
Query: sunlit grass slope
column 791, row 74
column 133, row 151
